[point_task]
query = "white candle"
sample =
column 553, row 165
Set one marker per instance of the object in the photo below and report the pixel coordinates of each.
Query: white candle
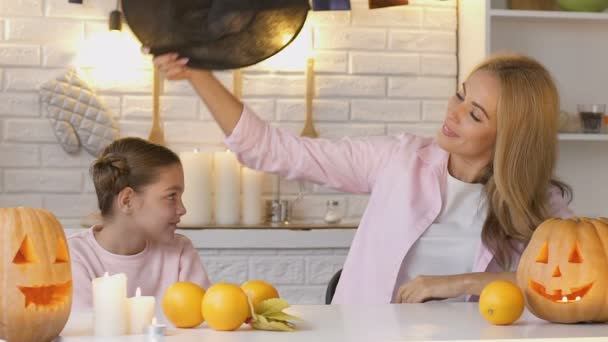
column 155, row 331
column 141, row 312
column 227, row 188
column 252, row 196
column 110, row 305
column 197, row 188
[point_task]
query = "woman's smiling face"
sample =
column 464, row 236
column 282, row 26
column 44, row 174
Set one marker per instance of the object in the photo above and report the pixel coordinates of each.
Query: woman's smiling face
column 469, row 128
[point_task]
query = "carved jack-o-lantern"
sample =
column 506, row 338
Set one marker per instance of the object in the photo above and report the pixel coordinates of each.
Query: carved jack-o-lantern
column 564, row 270
column 35, row 275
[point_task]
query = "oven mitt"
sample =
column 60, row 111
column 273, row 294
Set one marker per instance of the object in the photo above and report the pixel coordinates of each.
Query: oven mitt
column 77, row 115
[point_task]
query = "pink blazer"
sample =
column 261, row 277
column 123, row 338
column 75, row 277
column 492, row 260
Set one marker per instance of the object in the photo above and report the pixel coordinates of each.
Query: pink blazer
column 405, row 176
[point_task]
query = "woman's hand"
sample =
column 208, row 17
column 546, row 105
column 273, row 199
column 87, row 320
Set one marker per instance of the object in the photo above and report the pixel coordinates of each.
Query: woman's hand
column 173, row 67
column 425, row 288
column 224, row 107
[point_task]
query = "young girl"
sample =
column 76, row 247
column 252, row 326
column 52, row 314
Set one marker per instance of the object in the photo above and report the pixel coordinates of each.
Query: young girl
column 139, row 187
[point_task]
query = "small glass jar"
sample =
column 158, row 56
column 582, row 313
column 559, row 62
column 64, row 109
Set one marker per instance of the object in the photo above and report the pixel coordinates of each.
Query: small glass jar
column 592, row 117
column 333, row 212
column 277, row 211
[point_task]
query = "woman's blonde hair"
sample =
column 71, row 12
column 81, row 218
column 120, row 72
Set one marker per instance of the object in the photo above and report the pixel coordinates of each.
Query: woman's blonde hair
column 518, row 181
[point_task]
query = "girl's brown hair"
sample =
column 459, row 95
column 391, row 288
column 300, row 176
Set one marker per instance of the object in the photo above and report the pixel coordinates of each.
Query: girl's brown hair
column 518, row 181
column 127, row 162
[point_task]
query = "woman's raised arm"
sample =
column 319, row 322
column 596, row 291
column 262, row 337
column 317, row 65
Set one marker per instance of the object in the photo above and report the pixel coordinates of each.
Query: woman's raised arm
column 225, row 108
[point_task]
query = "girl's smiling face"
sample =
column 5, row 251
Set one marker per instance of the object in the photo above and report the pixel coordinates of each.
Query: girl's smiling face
column 158, row 206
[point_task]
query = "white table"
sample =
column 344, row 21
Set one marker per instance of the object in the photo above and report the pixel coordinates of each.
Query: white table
column 408, row 322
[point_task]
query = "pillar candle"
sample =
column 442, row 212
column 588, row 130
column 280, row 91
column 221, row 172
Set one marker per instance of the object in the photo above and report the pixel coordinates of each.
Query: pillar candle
column 252, row 196
column 227, row 188
column 110, row 305
column 141, row 312
column 197, row 198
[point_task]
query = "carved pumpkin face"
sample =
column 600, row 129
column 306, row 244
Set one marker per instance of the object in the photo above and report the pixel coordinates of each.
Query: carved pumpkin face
column 563, row 270
column 35, row 275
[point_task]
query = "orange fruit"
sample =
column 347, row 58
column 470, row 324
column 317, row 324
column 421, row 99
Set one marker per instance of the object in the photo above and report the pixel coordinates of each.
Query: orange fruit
column 501, row 302
column 258, row 291
column 225, row 306
column 182, row 304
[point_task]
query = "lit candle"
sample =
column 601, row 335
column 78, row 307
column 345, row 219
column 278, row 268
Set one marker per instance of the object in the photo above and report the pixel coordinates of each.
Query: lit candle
column 110, row 305
column 141, row 312
column 197, row 188
column 155, row 331
column 227, row 188
column 252, row 196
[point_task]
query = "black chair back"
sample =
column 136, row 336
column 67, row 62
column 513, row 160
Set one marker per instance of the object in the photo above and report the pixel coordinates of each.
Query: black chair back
column 331, row 287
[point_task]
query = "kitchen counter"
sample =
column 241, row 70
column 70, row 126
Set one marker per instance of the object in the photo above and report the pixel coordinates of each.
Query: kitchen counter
column 293, row 235
column 436, row 321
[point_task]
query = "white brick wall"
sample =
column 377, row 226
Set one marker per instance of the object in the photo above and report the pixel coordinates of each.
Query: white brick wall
column 19, row 105
column 379, row 72
column 300, row 275
column 19, row 54
column 30, row 8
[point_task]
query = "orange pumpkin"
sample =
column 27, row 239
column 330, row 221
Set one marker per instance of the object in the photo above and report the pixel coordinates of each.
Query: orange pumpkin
column 564, row 270
column 35, row 276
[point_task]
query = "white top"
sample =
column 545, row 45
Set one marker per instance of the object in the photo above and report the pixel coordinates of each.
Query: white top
column 433, row 321
column 449, row 245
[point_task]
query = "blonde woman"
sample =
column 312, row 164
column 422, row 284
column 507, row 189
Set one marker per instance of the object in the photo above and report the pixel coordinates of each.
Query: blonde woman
column 446, row 216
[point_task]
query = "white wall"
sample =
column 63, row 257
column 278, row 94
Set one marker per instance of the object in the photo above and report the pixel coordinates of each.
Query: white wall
column 379, row 72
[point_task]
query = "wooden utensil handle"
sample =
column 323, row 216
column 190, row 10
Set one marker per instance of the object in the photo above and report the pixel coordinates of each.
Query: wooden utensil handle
column 309, row 128
column 310, row 87
column 237, row 83
column 156, row 96
column 156, row 136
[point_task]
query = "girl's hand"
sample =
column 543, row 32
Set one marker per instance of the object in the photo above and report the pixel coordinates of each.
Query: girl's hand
column 425, row 288
column 173, row 67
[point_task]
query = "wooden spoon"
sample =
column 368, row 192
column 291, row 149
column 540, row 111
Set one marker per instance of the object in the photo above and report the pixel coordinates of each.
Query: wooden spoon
column 309, row 128
column 237, row 83
column 156, row 136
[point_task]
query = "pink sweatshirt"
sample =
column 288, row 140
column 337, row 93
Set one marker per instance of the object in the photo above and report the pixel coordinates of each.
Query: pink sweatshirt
column 153, row 270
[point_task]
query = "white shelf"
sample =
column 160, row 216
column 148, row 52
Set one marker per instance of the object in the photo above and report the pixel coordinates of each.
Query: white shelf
column 558, row 15
column 582, row 137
